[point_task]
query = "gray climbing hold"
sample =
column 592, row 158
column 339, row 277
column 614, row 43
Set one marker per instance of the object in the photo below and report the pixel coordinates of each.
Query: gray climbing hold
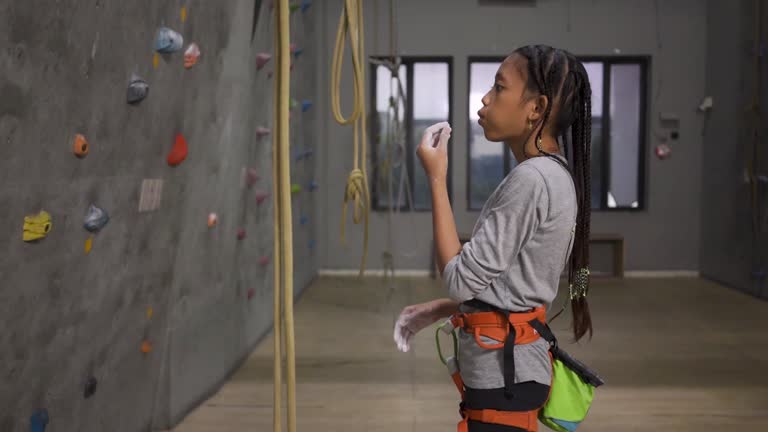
column 137, row 89
column 95, row 219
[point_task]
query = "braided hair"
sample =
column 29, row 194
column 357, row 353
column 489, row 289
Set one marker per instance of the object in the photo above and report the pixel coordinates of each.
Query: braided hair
column 563, row 80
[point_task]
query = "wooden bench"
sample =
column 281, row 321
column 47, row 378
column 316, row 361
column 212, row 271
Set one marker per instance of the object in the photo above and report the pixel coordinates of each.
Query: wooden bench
column 615, row 240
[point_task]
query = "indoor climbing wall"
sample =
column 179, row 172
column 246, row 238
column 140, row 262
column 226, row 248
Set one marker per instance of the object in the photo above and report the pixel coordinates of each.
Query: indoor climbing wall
column 136, row 203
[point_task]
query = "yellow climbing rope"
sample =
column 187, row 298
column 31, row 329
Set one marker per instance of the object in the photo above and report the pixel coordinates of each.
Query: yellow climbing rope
column 283, row 230
column 351, row 22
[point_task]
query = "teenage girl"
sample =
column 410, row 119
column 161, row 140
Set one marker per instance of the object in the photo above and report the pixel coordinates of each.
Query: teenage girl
column 536, row 219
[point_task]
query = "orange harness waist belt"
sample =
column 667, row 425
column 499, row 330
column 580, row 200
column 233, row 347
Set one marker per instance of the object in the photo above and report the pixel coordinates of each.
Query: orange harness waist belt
column 507, row 329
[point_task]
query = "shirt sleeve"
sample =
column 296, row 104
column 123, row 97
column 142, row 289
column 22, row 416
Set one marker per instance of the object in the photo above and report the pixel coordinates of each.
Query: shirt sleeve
column 522, row 204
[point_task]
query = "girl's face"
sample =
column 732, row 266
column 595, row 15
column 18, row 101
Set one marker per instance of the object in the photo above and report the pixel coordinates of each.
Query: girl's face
column 507, row 109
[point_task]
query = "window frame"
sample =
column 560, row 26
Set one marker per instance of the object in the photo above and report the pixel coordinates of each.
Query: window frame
column 411, row 159
column 644, row 61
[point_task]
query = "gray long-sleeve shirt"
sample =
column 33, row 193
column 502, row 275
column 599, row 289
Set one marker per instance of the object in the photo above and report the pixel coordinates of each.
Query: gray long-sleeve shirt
column 514, row 259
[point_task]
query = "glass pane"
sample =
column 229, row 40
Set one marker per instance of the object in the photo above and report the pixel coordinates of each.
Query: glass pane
column 430, row 105
column 595, row 72
column 390, row 157
column 486, row 159
column 625, row 134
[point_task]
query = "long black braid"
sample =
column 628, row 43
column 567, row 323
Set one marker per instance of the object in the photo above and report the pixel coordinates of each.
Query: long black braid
column 563, row 80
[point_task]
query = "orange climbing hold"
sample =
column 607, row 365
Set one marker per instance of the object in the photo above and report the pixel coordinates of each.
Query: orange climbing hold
column 146, row 347
column 213, row 219
column 80, row 147
column 178, row 152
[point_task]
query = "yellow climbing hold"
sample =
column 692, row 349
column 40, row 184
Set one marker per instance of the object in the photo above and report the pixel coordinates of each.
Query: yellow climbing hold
column 156, row 60
column 149, row 312
column 37, row 226
column 88, row 244
column 183, row 14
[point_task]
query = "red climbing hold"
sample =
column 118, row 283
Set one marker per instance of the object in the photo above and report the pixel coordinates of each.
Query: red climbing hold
column 261, row 196
column 262, row 131
column 251, row 292
column 252, row 177
column 262, row 59
column 264, row 260
column 240, row 233
column 178, row 152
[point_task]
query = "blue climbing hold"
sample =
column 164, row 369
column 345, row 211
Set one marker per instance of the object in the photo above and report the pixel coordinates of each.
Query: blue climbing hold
column 168, row 41
column 297, row 52
column 38, row 421
column 303, row 220
column 95, row 219
column 311, row 244
column 306, row 105
column 312, row 185
column 305, row 4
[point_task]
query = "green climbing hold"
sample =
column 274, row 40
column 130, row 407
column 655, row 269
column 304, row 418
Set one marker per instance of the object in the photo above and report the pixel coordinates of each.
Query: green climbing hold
column 295, row 188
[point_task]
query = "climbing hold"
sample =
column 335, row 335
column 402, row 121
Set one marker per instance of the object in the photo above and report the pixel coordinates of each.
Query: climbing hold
column 305, row 4
column 663, row 151
column 292, row 47
column 252, row 177
column 311, row 244
column 312, row 186
column 168, row 41
column 293, row 103
column 38, row 421
column 262, row 59
column 90, row 387
column 269, row 74
column 183, row 14
column 294, row 7
column 264, row 260
column 178, row 152
column 95, row 219
column 295, row 188
column 156, row 60
column 37, row 226
column 80, row 146
column 262, row 131
column 137, row 89
column 149, row 312
column 298, row 52
column 240, row 233
column 191, row 55
column 303, row 220
column 306, row 105
column 261, row 196
column 146, row 347
column 306, row 154
column 251, row 292
column 213, row 219
column 291, row 65
column 88, row 244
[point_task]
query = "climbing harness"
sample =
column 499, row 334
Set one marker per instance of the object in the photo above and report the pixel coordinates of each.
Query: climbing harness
column 283, row 229
column 356, row 190
column 572, row 383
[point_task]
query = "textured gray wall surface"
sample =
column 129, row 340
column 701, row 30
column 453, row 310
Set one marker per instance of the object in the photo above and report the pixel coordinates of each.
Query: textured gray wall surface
column 664, row 236
column 67, row 315
column 730, row 251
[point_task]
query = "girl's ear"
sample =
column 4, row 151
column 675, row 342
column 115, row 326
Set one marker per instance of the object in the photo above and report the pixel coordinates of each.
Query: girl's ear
column 539, row 106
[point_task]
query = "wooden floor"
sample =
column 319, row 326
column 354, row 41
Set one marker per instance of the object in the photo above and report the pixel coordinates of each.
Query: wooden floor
column 676, row 355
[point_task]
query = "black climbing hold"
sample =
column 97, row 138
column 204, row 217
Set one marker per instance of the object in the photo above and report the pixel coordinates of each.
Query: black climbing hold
column 90, row 387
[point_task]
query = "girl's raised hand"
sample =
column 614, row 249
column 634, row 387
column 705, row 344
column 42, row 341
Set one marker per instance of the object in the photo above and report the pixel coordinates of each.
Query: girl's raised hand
column 433, row 151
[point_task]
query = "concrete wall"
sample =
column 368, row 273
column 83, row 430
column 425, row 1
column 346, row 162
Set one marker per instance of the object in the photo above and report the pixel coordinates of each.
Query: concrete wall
column 730, row 251
column 665, row 236
column 68, row 316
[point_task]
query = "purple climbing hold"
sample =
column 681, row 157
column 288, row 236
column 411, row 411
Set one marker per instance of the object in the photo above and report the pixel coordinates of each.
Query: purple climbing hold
column 168, row 41
column 38, row 421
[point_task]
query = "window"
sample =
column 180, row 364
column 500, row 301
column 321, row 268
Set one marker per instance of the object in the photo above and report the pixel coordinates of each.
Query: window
column 398, row 177
column 619, row 88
